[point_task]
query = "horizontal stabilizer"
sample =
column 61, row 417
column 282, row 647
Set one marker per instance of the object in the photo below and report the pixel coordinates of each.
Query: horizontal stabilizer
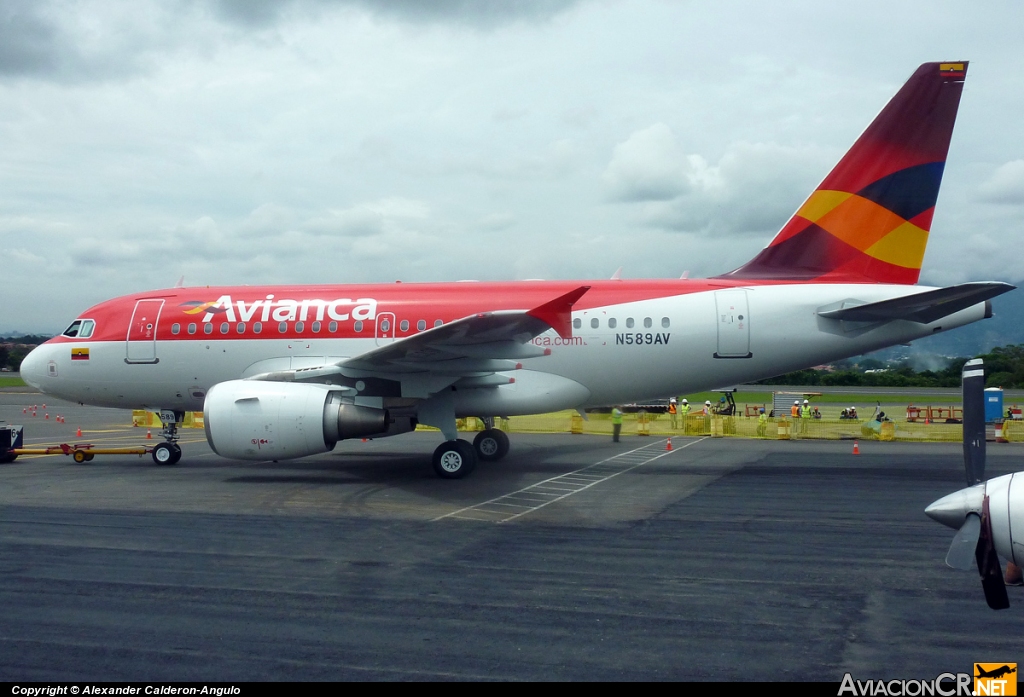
column 922, row 307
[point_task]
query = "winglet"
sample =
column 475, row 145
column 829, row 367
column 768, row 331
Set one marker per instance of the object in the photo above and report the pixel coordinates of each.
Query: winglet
column 557, row 313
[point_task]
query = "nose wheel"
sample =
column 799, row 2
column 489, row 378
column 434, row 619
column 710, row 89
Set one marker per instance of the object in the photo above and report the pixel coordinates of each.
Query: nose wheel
column 167, row 454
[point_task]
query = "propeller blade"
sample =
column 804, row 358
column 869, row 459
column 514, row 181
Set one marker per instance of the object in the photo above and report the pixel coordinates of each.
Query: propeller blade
column 973, row 378
column 988, row 564
column 962, row 550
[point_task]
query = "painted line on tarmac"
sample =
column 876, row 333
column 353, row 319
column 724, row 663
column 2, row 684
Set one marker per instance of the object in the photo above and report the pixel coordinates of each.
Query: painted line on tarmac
column 508, row 507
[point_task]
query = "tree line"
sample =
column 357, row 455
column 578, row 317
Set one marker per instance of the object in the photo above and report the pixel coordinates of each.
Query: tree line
column 15, row 348
column 1004, row 367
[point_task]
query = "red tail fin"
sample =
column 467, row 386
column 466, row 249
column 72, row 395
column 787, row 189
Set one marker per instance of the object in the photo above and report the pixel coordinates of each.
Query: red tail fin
column 869, row 219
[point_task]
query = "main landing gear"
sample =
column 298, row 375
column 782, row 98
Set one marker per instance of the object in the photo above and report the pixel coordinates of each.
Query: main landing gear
column 455, row 459
column 168, row 452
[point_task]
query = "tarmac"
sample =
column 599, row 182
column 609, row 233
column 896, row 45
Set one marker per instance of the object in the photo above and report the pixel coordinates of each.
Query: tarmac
column 574, row 558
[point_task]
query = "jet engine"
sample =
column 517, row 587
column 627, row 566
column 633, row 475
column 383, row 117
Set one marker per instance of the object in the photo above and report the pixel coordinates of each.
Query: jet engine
column 257, row 420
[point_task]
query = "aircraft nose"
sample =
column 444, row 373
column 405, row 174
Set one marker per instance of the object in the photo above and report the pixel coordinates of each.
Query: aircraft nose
column 953, row 509
column 33, row 367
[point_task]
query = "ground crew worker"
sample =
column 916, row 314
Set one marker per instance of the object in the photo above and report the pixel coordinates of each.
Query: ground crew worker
column 707, row 408
column 673, row 413
column 805, row 416
column 616, row 423
column 684, row 411
column 762, row 424
column 794, row 410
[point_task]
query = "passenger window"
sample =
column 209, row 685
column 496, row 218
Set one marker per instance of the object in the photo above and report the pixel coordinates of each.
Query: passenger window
column 612, row 323
column 664, row 322
column 421, row 325
column 299, row 326
column 72, row 331
column 191, row 327
column 404, row 325
column 240, row 327
column 648, row 322
column 385, row 325
column 316, row 327
column 208, row 328
column 332, row 327
column 86, row 331
column 282, row 327
column 224, row 327
column 257, row 327
column 358, row 326
column 175, row 328
column 594, row 323
column 438, row 323
column 629, row 323
column 577, row 323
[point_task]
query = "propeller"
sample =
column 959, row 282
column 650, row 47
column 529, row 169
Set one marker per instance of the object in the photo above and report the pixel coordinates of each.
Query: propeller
column 968, row 509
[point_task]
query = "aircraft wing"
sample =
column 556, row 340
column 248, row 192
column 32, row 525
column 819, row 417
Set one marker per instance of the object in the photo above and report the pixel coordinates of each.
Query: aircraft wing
column 923, row 307
column 469, row 351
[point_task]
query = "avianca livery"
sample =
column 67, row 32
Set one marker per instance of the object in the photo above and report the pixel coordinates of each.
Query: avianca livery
column 287, row 371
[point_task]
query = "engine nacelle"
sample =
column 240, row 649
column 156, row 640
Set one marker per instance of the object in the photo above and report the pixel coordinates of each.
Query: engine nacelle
column 1006, row 508
column 256, row 420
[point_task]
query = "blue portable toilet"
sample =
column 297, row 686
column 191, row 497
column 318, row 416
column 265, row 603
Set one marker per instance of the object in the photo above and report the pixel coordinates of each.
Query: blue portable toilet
column 993, row 404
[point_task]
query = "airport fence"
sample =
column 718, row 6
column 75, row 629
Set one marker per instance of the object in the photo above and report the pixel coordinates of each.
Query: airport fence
column 663, row 425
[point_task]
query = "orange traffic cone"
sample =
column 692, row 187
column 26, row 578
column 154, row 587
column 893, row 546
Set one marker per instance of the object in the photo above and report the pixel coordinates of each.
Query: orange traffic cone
column 79, row 434
column 46, row 415
column 856, row 448
column 668, row 444
column 149, row 434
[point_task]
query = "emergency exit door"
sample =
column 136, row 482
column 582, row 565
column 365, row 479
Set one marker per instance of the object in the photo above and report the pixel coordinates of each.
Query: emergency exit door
column 733, row 324
column 142, row 332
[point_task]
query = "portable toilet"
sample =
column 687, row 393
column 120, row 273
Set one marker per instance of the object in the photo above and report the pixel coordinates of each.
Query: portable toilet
column 993, row 404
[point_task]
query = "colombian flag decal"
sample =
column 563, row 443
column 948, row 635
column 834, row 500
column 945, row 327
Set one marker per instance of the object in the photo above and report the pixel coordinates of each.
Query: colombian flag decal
column 79, row 354
column 952, row 69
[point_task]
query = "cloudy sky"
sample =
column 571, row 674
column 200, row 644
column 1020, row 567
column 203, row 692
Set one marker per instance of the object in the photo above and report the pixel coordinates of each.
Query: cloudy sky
column 249, row 141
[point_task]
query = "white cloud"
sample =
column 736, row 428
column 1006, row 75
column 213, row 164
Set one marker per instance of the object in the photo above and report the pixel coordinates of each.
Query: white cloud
column 1006, row 185
column 753, row 188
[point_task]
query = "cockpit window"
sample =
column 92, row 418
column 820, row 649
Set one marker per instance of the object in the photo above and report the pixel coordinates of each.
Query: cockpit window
column 80, row 328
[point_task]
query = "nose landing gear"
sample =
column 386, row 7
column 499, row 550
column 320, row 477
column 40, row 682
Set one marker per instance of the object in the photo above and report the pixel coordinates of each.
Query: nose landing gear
column 169, row 452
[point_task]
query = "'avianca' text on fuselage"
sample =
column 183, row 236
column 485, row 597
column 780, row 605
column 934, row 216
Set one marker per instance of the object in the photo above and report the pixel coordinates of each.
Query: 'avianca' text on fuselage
column 284, row 372
column 284, row 309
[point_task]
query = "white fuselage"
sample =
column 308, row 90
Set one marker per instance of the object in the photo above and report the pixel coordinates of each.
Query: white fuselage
column 695, row 341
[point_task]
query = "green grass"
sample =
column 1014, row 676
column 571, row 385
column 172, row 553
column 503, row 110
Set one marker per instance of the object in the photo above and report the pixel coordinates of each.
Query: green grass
column 11, row 382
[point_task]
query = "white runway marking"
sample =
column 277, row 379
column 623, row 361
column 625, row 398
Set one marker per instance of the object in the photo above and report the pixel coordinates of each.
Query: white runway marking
column 511, row 506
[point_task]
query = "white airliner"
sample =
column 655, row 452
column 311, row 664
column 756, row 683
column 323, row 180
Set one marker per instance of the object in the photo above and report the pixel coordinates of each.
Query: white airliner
column 285, row 372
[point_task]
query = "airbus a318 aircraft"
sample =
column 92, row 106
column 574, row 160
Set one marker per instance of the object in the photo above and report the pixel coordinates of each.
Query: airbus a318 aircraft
column 287, row 371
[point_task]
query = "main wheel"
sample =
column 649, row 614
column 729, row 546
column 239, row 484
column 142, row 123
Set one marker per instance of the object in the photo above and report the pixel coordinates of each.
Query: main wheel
column 166, row 453
column 491, row 444
column 454, row 459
